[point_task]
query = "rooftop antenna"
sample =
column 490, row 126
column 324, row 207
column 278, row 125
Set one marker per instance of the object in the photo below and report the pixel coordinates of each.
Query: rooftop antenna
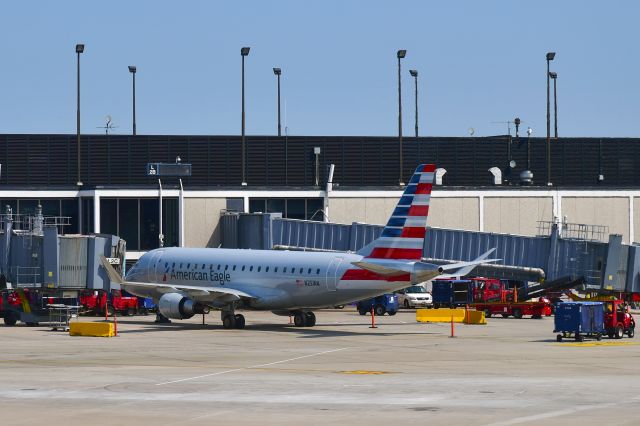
column 108, row 125
column 286, row 128
column 508, row 123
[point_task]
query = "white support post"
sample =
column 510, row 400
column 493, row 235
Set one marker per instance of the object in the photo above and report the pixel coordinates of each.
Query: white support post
column 181, row 216
column 631, row 227
column 160, row 234
column 79, row 213
column 245, row 203
column 96, row 213
column 481, row 212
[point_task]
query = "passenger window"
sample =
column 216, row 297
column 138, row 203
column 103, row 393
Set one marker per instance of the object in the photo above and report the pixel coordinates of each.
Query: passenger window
column 251, row 268
column 318, row 271
column 188, row 265
column 181, row 266
column 284, row 270
column 293, row 270
column 219, row 267
column 266, row 269
column 166, row 264
column 301, row 269
column 226, row 267
column 203, row 266
column 243, row 267
column 259, row 267
column 173, row 265
column 309, row 271
column 234, row 267
column 275, row 270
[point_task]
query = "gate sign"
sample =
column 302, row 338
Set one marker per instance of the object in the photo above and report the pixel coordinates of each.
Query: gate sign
column 168, row 169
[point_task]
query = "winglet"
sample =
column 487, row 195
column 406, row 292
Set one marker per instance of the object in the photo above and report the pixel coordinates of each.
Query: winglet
column 114, row 276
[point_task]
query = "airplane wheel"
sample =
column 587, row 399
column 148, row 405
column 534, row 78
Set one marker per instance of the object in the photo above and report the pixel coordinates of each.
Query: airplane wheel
column 310, row 319
column 229, row 322
column 240, row 322
column 299, row 319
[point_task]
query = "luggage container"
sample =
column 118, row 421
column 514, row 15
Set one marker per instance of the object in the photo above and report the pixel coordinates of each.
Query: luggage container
column 579, row 319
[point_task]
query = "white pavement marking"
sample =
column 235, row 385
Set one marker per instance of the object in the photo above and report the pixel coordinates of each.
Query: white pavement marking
column 551, row 414
column 250, row 367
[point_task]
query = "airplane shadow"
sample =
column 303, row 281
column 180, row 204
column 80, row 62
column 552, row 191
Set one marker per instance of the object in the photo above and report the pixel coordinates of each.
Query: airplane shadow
column 319, row 331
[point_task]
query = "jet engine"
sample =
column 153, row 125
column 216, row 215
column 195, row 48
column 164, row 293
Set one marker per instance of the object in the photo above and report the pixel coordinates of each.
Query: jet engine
column 177, row 306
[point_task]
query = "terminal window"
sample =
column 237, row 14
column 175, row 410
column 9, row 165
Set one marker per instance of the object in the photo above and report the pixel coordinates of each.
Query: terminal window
column 291, row 208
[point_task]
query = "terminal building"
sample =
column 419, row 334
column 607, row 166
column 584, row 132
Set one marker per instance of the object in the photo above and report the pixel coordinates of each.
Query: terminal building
column 480, row 182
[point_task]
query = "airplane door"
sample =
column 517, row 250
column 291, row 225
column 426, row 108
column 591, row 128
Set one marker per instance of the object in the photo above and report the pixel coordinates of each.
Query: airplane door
column 153, row 268
column 332, row 277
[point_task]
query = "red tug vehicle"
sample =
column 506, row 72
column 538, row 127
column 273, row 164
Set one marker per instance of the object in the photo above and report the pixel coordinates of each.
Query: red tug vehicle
column 93, row 302
column 617, row 320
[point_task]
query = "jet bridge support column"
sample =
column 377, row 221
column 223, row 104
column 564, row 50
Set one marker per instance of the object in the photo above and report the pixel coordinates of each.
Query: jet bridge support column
column 96, row 213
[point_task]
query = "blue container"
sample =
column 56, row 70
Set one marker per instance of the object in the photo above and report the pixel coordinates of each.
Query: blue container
column 579, row 318
column 451, row 293
column 388, row 301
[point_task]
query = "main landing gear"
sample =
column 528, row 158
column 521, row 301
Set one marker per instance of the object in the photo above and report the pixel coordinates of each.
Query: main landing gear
column 304, row 319
column 232, row 320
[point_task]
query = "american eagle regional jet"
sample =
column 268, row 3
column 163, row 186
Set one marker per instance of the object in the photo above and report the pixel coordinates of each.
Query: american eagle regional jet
column 188, row 281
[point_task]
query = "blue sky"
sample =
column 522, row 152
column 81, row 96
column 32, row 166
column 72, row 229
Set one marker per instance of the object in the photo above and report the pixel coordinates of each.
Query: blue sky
column 479, row 62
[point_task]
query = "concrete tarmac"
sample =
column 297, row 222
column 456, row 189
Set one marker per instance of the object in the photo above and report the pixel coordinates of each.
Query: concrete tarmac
column 508, row 372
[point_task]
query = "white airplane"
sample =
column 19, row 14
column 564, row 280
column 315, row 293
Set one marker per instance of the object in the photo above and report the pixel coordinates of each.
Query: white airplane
column 188, row 281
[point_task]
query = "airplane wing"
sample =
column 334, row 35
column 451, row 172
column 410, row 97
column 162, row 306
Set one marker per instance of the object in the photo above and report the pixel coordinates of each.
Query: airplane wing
column 195, row 292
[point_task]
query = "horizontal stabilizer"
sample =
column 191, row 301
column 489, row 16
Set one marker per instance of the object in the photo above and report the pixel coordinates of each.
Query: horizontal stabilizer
column 462, row 269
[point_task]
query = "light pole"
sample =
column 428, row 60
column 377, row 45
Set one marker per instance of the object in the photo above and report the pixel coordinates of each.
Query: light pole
column 554, row 77
column 414, row 74
column 79, row 50
column 550, row 56
column 132, row 70
column 277, row 72
column 243, row 52
column 401, row 54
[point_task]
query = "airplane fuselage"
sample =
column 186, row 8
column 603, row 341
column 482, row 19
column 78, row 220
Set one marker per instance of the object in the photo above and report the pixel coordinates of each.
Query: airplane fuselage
column 278, row 280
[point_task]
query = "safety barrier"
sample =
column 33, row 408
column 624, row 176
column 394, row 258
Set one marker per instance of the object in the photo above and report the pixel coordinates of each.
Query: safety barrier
column 94, row 329
column 446, row 315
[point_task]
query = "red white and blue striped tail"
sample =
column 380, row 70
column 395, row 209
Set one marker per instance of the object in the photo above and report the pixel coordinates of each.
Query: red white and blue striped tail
column 403, row 237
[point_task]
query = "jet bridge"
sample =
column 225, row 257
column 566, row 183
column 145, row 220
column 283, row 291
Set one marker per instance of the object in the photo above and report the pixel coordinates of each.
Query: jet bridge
column 550, row 256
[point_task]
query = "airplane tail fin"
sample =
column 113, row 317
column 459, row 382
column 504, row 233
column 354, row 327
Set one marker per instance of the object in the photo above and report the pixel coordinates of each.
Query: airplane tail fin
column 403, row 236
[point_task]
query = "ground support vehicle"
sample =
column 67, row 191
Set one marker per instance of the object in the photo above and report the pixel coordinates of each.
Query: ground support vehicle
column 387, row 303
column 95, row 303
column 516, row 310
column 415, row 296
column 617, row 319
column 582, row 319
column 28, row 306
column 145, row 305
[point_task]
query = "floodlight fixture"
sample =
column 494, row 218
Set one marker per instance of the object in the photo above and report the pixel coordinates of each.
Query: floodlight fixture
column 244, row 51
